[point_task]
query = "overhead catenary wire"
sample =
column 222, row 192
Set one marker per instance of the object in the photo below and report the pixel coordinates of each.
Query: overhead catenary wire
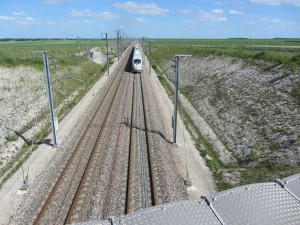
column 51, row 55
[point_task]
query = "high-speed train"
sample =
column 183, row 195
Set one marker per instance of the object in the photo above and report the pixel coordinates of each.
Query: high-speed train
column 137, row 60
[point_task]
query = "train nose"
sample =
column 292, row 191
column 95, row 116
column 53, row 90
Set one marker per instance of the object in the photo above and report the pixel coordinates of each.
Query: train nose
column 139, row 67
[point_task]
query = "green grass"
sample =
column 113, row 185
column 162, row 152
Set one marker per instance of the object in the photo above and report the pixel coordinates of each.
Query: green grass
column 284, row 51
column 11, row 137
column 46, row 44
column 296, row 94
column 256, row 44
column 23, row 52
column 266, row 171
column 291, row 60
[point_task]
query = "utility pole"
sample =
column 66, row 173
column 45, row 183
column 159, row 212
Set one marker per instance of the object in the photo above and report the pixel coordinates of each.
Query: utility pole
column 78, row 45
column 123, row 43
column 150, row 58
column 54, row 121
column 88, row 48
column 107, row 60
column 118, row 43
column 174, row 121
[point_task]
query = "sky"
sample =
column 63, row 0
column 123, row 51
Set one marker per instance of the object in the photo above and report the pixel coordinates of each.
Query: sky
column 150, row 19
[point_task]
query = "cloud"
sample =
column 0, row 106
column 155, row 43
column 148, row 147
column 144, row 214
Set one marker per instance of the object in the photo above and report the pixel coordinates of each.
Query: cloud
column 231, row 2
column 191, row 22
column 234, row 12
column 249, row 22
column 28, row 18
column 19, row 13
column 28, row 21
column 210, row 17
column 21, row 18
column 78, row 13
column 7, row 18
column 218, row 11
column 141, row 20
column 88, row 21
column 185, row 11
column 108, row 16
column 270, row 21
column 50, row 22
column 276, row 21
column 278, row 2
column 89, row 13
column 56, row 2
column 141, row 8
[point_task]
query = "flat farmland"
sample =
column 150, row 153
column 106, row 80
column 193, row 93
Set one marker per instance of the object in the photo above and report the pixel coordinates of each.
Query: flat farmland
column 255, row 44
column 53, row 43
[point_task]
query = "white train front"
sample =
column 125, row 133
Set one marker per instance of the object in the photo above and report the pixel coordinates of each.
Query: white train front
column 137, row 60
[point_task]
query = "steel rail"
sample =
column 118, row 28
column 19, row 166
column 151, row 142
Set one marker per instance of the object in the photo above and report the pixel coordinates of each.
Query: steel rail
column 89, row 164
column 139, row 150
column 128, row 208
column 142, row 149
column 150, row 156
column 88, row 129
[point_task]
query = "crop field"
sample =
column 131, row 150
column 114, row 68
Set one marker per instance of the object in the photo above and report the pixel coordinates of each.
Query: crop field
column 13, row 53
column 53, row 43
column 283, row 51
column 254, row 44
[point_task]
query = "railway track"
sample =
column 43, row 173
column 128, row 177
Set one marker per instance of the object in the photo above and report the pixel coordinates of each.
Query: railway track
column 141, row 183
column 112, row 170
column 73, row 179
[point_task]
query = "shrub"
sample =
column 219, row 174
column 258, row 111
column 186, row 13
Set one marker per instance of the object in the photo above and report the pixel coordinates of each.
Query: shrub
column 11, row 137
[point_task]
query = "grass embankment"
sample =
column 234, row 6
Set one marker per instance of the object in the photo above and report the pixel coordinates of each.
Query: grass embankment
column 263, row 171
column 73, row 77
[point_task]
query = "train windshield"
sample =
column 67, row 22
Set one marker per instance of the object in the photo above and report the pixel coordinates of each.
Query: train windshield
column 137, row 61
